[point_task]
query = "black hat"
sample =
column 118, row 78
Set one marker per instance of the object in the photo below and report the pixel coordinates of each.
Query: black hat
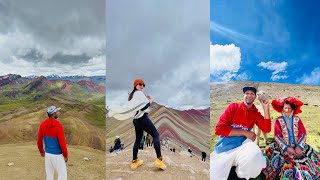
column 249, row 88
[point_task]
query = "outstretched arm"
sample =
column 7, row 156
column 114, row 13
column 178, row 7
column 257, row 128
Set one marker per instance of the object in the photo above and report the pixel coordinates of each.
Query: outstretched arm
column 130, row 108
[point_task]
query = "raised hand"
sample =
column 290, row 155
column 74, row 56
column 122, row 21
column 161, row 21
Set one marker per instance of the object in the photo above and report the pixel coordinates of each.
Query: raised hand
column 149, row 98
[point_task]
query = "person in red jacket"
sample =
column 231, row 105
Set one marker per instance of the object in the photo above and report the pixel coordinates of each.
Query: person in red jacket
column 290, row 157
column 55, row 151
column 235, row 146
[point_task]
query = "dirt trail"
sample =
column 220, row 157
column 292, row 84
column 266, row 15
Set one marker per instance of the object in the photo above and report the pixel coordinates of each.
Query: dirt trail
column 179, row 166
column 28, row 164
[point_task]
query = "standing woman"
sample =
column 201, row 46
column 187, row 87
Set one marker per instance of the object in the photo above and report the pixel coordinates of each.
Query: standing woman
column 138, row 108
column 289, row 157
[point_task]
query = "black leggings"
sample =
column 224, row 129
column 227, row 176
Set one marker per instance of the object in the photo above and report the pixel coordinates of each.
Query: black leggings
column 145, row 124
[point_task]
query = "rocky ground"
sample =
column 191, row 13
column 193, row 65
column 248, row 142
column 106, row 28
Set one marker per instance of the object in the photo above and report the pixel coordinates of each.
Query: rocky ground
column 23, row 161
column 179, row 166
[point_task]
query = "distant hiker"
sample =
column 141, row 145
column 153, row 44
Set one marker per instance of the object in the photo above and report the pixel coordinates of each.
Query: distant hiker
column 138, row 107
column 142, row 142
column 190, row 151
column 55, row 152
column 204, row 155
column 117, row 144
column 235, row 146
column 166, row 144
column 174, row 150
column 110, row 149
column 148, row 140
column 290, row 157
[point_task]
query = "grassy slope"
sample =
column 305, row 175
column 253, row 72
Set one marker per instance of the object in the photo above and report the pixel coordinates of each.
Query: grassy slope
column 308, row 94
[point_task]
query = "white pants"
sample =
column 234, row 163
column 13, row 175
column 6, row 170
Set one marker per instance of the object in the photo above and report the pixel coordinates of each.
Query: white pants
column 55, row 163
column 247, row 158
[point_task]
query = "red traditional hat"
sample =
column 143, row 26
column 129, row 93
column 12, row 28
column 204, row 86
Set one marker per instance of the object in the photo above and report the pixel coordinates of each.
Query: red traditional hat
column 278, row 104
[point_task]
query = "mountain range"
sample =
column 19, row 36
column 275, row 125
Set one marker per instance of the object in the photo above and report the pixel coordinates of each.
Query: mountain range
column 24, row 100
column 183, row 129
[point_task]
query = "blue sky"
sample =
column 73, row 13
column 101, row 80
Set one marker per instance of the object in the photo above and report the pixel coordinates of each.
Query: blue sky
column 266, row 41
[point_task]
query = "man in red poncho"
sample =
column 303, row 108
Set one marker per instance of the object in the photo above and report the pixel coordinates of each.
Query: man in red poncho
column 235, row 146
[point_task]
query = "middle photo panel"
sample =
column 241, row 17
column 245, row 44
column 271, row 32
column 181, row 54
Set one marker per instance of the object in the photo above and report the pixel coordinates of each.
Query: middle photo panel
column 158, row 116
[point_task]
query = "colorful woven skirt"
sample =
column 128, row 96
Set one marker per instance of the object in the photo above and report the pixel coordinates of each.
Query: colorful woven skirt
column 282, row 166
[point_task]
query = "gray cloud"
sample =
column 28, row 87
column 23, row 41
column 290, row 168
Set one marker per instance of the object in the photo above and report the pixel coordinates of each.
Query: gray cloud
column 69, row 59
column 37, row 32
column 164, row 42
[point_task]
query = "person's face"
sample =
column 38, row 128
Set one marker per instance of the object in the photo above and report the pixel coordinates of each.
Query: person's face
column 287, row 110
column 249, row 97
column 140, row 86
column 56, row 115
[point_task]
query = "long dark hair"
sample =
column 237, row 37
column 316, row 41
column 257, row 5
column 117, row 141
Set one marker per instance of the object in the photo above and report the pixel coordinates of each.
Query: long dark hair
column 131, row 94
column 292, row 105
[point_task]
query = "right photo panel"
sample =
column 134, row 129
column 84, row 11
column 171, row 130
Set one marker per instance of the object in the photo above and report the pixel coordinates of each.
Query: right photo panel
column 264, row 90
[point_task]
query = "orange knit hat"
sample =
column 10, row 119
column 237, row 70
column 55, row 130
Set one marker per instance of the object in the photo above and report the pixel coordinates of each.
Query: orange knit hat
column 137, row 81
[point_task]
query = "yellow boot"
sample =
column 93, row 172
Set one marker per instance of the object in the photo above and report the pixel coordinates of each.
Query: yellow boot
column 160, row 164
column 136, row 164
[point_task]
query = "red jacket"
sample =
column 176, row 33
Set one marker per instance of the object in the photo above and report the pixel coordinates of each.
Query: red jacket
column 237, row 115
column 51, row 132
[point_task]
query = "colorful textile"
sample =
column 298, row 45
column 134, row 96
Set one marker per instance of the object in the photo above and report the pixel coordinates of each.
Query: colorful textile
column 279, row 164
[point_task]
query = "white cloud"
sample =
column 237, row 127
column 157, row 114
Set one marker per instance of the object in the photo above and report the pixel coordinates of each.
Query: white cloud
column 180, row 88
column 94, row 67
column 177, row 89
column 312, row 78
column 224, row 61
column 243, row 77
column 171, row 57
column 232, row 34
column 224, row 58
column 276, row 68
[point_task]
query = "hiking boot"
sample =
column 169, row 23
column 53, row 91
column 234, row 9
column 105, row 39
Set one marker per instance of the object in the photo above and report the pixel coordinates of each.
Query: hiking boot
column 136, row 164
column 160, row 164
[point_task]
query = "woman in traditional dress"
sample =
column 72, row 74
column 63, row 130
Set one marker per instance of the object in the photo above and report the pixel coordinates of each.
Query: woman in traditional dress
column 289, row 157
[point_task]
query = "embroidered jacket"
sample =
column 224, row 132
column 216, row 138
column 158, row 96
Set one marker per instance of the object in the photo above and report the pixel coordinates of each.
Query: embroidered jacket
column 281, row 133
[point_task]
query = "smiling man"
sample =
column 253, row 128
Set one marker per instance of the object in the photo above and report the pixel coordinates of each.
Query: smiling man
column 235, row 146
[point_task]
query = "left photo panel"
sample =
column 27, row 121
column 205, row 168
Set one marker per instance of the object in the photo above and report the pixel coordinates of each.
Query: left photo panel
column 52, row 90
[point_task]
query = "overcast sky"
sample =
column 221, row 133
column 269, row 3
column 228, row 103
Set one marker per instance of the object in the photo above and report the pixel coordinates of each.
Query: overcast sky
column 52, row 37
column 166, row 43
